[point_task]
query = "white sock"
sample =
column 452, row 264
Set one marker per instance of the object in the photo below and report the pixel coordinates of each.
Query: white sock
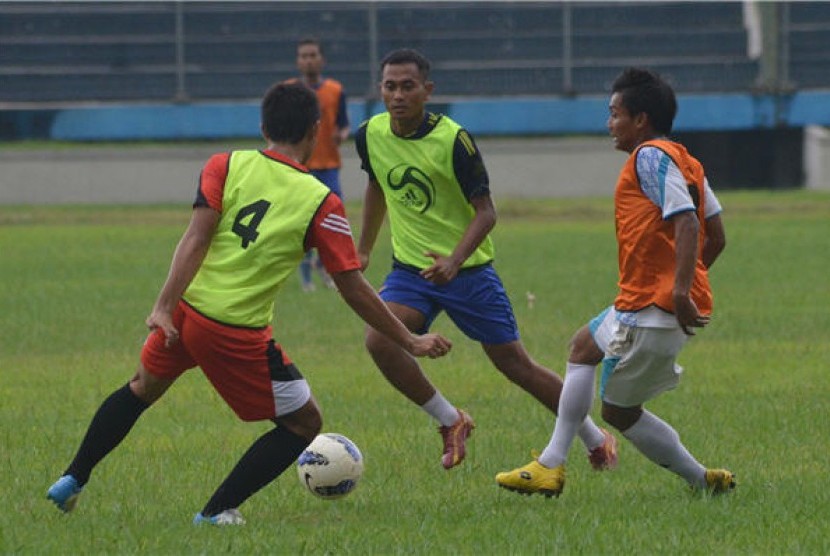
column 574, row 405
column 590, row 434
column 441, row 410
column 660, row 443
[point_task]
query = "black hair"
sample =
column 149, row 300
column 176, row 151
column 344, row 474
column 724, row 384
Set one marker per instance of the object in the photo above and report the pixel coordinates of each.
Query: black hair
column 407, row 56
column 310, row 40
column 644, row 91
column 288, row 112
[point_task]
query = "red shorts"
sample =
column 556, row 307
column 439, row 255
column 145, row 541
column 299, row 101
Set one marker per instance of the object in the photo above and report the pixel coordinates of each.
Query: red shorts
column 248, row 369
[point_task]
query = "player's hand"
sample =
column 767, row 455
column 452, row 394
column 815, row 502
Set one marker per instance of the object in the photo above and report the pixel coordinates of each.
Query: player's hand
column 441, row 271
column 163, row 320
column 364, row 261
column 430, row 345
column 687, row 314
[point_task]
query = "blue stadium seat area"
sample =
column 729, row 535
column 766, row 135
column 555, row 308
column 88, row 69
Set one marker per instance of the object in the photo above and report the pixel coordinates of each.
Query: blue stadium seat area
column 519, row 49
column 484, row 82
column 79, row 20
column 468, row 18
column 64, row 52
column 809, row 43
column 658, row 16
column 115, row 54
column 701, row 46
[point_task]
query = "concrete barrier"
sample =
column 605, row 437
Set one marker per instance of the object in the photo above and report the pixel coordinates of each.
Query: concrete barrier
column 527, row 167
column 817, row 158
column 538, row 167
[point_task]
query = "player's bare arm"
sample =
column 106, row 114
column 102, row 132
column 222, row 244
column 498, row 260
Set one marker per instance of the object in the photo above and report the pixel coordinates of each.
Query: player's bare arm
column 374, row 210
column 188, row 257
column 715, row 240
column 686, row 227
column 446, row 267
column 362, row 298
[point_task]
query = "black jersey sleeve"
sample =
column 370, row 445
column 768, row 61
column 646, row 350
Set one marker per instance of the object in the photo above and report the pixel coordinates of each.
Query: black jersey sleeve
column 200, row 200
column 469, row 166
column 363, row 150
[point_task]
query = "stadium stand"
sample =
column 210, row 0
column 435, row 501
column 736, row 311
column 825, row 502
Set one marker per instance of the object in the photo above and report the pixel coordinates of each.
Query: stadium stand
column 66, row 52
column 99, row 70
column 809, row 44
column 69, row 52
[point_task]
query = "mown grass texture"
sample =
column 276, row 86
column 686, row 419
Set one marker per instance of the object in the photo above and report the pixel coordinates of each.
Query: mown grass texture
column 77, row 283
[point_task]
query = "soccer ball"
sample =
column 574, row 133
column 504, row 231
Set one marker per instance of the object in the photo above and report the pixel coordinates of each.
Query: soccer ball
column 330, row 466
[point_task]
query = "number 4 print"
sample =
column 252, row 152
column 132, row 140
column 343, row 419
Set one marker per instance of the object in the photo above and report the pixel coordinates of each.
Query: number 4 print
column 248, row 231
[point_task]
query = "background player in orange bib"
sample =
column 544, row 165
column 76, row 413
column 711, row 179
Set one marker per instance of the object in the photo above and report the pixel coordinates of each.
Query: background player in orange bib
column 324, row 162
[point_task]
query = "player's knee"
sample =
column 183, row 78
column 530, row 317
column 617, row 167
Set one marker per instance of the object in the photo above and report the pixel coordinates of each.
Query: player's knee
column 621, row 418
column 513, row 361
column 583, row 348
column 307, row 422
column 148, row 388
column 313, row 426
column 308, row 431
column 527, row 375
column 313, row 421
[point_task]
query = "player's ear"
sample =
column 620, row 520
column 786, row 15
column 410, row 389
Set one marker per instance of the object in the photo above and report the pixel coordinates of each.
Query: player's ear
column 262, row 132
column 429, row 86
column 311, row 133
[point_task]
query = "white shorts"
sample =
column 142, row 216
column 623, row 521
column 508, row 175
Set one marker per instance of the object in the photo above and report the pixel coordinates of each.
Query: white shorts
column 639, row 362
column 290, row 396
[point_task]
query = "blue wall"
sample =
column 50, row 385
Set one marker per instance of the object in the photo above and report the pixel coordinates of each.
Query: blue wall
column 543, row 116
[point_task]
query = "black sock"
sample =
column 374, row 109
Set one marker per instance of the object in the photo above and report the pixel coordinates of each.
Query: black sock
column 264, row 461
column 111, row 423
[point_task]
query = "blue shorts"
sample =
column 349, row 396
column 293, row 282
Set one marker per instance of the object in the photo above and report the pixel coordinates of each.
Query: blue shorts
column 475, row 300
column 330, row 178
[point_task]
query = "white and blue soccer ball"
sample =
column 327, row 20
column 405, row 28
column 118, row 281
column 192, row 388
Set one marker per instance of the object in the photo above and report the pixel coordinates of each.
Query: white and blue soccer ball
column 331, row 466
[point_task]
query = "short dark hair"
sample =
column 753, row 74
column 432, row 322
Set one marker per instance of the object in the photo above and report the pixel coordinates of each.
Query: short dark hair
column 289, row 110
column 642, row 90
column 310, row 40
column 407, row 56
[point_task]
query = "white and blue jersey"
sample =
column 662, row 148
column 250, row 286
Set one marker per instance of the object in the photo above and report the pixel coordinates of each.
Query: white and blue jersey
column 663, row 182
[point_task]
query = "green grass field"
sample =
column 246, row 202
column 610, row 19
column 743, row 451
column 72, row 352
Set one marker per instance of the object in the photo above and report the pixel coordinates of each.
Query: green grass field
column 77, row 283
